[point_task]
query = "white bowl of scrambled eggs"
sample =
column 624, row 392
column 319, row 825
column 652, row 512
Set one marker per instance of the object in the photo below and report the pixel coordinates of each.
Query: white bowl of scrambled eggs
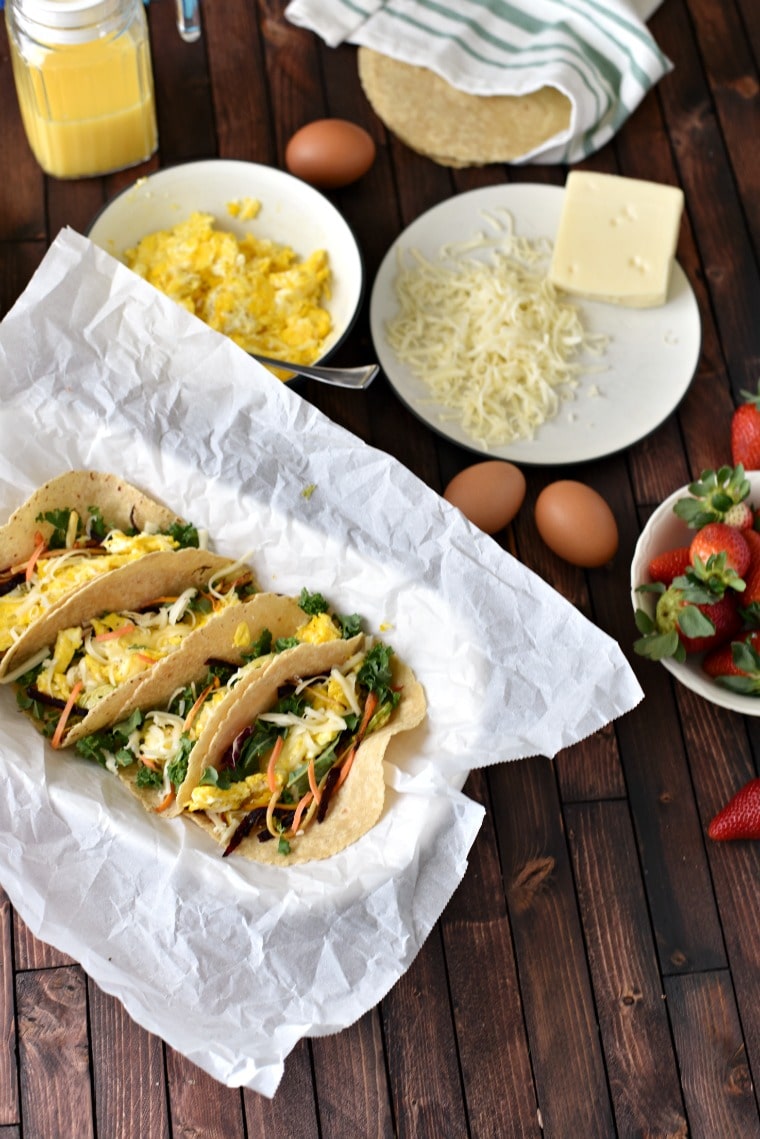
column 254, row 252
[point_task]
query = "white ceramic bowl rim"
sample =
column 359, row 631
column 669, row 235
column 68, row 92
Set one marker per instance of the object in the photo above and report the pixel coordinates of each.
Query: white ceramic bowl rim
column 666, row 531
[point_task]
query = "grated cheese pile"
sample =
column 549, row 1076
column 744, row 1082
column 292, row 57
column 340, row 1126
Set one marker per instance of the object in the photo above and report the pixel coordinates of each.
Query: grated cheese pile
column 489, row 335
column 256, row 291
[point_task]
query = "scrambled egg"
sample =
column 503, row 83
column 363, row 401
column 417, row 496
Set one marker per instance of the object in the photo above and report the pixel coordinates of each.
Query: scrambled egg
column 257, row 292
column 56, row 577
column 318, row 630
column 304, row 740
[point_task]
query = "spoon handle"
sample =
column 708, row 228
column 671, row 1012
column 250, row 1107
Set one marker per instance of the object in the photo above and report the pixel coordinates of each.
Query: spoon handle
column 356, row 378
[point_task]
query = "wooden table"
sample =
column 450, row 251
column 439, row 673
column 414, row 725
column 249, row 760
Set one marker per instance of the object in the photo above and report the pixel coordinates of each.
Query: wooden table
column 598, row 971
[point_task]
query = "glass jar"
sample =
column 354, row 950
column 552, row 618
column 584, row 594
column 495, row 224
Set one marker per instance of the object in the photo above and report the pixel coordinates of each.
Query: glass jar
column 84, row 82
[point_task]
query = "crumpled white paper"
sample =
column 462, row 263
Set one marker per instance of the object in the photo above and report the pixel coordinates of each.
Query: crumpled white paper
column 229, row 962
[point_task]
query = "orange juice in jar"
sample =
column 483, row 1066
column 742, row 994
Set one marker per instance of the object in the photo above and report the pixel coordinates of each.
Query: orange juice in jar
column 84, row 82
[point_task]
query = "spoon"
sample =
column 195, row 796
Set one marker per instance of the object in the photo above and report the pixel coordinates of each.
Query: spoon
column 356, row 378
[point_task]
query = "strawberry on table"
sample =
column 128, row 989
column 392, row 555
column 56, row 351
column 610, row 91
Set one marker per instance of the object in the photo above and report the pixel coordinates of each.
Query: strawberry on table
column 717, row 496
column 745, row 432
column 670, row 564
column 740, row 818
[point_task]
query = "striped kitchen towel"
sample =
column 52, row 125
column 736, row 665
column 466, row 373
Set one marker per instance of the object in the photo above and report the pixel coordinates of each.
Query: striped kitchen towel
column 599, row 53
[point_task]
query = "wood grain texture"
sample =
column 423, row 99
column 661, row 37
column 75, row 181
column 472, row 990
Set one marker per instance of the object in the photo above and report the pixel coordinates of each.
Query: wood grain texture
column 9, row 1099
column 717, row 1083
column 56, row 1091
column 129, row 1078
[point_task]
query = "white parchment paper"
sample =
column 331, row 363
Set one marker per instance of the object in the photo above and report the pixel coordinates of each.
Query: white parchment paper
column 231, row 963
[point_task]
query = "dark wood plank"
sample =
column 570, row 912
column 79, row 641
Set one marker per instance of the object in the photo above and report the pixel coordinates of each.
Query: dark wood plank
column 427, row 1097
column 717, row 1082
column 633, row 1020
column 56, row 1093
column 351, row 1081
column 485, row 993
column 198, row 1104
column 127, row 1071
column 292, row 1112
column 241, row 98
column 9, row 1101
column 184, row 106
column 733, row 80
column 706, row 176
column 573, row 1095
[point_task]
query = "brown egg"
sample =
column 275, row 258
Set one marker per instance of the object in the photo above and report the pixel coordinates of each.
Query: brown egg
column 489, row 494
column 329, row 153
column 576, row 523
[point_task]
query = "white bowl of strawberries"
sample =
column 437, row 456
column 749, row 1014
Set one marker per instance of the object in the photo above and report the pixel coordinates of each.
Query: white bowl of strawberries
column 695, row 587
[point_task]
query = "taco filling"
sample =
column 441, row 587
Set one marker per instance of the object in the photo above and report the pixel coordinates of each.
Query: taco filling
column 78, row 549
column 153, row 746
column 281, row 771
column 88, row 663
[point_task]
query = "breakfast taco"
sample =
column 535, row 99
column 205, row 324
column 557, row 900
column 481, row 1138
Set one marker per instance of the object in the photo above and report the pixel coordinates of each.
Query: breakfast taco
column 160, row 743
column 71, row 532
column 294, row 772
column 94, row 662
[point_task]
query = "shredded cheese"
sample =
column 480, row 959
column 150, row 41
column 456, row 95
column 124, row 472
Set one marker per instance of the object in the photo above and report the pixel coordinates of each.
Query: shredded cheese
column 495, row 343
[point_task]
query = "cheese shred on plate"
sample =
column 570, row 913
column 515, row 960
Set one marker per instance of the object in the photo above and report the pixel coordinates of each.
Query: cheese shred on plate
column 258, row 292
column 496, row 344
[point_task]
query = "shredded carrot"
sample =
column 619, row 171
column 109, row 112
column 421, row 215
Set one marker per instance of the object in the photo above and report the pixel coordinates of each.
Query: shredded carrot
column 302, row 805
column 145, row 658
column 199, row 703
column 150, row 762
column 278, row 746
column 60, row 727
column 112, row 634
column 38, row 549
column 313, row 781
column 346, row 767
column 167, row 800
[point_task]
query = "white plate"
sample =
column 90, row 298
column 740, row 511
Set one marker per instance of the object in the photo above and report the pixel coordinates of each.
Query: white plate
column 650, row 362
column 666, row 531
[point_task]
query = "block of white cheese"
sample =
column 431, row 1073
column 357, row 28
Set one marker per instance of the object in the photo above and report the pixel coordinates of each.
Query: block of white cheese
column 617, row 239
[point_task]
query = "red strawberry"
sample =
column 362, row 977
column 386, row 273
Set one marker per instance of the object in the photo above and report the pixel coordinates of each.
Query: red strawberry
column 740, row 658
column 740, row 818
column 724, row 617
column 686, row 620
column 745, row 432
column 750, row 598
column 716, row 539
column 673, row 563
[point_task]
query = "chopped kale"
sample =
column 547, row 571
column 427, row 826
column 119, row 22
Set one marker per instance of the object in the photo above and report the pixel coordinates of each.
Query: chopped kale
column 184, row 533
column 312, row 603
column 260, row 647
column 350, row 624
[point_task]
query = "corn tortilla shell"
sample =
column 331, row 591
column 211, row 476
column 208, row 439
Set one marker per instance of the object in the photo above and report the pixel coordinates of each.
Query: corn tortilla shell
column 167, row 575
column 453, row 127
column 122, row 505
column 357, row 806
column 220, row 640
